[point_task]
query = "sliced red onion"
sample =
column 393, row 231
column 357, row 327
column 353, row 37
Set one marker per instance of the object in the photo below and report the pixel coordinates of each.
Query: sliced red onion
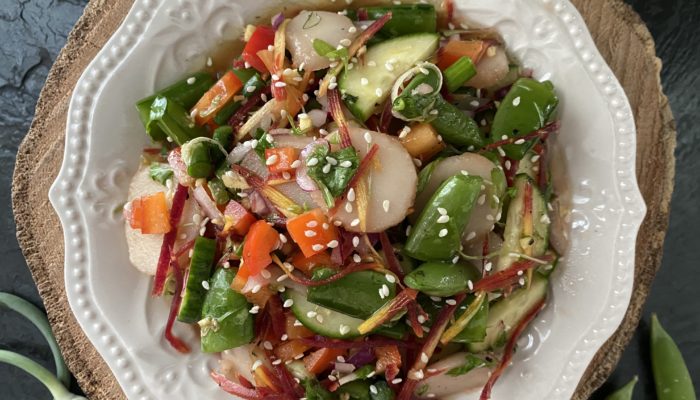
column 254, row 163
column 296, row 194
column 318, row 117
column 303, row 180
column 258, row 204
column 208, row 206
column 277, row 21
column 179, row 168
column 363, row 357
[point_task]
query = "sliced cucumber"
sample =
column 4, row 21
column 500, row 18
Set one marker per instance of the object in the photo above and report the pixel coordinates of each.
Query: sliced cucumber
column 516, row 240
column 330, row 322
column 200, row 271
column 402, row 53
column 507, row 313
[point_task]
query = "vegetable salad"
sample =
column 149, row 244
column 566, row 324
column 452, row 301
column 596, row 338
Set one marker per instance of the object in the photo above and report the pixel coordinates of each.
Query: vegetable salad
column 357, row 207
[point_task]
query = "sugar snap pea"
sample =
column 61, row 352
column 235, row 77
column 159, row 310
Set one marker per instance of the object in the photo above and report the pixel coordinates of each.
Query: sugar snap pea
column 670, row 372
column 441, row 279
column 625, row 392
column 173, row 119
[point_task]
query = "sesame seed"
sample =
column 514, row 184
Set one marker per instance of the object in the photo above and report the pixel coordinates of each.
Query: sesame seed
column 325, row 226
column 191, row 80
column 311, row 314
column 421, row 319
column 489, row 217
column 277, row 362
column 501, row 151
column 381, row 293
column 288, row 303
column 348, row 207
column 404, row 132
column 297, row 323
column 443, row 232
column 508, row 164
column 451, row 302
column 326, row 168
column 356, row 258
column 332, row 161
column 286, row 175
column 470, row 284
column 443, row 219
column 373, row 389
column 352, row 29
column 482, row 199
column 257, row 364
column 333, row 85
column 504, row 137
column 319, row 318
column 250, row 89
column 332, row 244
column 275, row 77
column 408, row 230
column 434, row 112
column 455, row 260
column 397, row 381
column 475, row 103
column 386, row 204
column 424, row 357
column 312, row 162
column 364, row 81
column 312, row 224
column 344, row 329
column 209, row 62
column 265, row 274
column 545, row 219
column 379, row 92
column 417, row 162
column 488, row 266
column 317, row 247
column 442, row 211
column 254, row 309
column 389, row 67
column 351, row 194
column 368, row 137
column 205, row 285
column 521, row 281
column 516, row 101
column 385, row 290
column 355, row 241
column 256, row 288
column 519, row 141
column 267, row 345
column 535, row 158
column 284, row 337
column 355, row 222
column 346, row 164
column 337, row 223
column 282, row 278
column 390, row 278
column 272, row 160
column 309, row 233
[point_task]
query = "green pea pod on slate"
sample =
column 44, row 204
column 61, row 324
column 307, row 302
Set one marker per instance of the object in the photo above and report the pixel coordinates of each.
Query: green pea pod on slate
column 226, row 321
column 186, row 93
column 453, row 203
column 671, row 375
column 356, row 294
column 442, row 279
column 625, row 392
column 527, row 107
column 173, row 119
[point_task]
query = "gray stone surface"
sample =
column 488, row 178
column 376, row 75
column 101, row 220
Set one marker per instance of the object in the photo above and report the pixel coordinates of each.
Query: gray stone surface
column 33, row 31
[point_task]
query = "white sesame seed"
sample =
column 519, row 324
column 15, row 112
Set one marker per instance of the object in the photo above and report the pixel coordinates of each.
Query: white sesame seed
column 284, row 337
column 386, row 204
column 209, row 62
column 381, row 293
column 319, row 318
column 390, row 278
column 346, row 164
column 545, row 219
column 368, row 137
column 424, row 357
column 535, row 158
column 417, row 162
column 333, row 85
column 297, row 323
column 309, row 233
column 451, row 302
column 489, row 217
column 352, row 29
column 277, row 362
column 250, row 89
column 331, row 160
column 501, row 151
column 516, row 101
column 373, row 389
column 389, row 67
column 421, row 319
column 256, row 288
column 408, row 230
column 272, row 160
column 482, row 199
column 325, row 226
column 356, row 258
column 351, row 194
column 508, row 164
column 364, row 81
column 442, row 211
column 312, row 162
column 254, row 309
column 265, row 274
column 288, row 303
column 282, row 278
column 404, row 132
column 257, row 364
column 337, row 223
column 280, row 84
column 521, row 281
column 379, row 92
column 267, row 345
column 340, row 359
column 434, row 112
column 355, row 222
column 286, row 175
column 191, row 80
column 348, row 207
column 470, row 284
column 326, row 168
column 443, row 219
column 311, row 314
column 205, row 285
column 455, row 260
column 332, row 244
column 344, row 329
column 355, row 241
column 346, row 42
column 317, row 247
column 312, row 224
column 443, row 232
column 488, row 266
column 519, row 141
column 385, row 290
column 397, row 381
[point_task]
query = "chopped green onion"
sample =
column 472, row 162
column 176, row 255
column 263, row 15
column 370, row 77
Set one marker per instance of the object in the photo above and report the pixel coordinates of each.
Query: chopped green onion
column 459, row 73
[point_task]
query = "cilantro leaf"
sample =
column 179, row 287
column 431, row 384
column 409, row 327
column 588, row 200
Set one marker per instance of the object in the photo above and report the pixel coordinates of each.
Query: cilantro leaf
column 160, row 173
column 262, row 143
column 333, row 171
column 471, row 362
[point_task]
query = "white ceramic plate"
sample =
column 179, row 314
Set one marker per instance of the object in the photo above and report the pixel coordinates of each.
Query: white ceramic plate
column 161, row 40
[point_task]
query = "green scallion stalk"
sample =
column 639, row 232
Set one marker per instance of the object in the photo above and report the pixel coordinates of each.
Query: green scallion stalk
column 459, row 73
column 37, row 317
column 58, row 391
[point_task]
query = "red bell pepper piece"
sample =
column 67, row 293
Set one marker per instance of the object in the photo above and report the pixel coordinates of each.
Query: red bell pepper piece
column 263, row 37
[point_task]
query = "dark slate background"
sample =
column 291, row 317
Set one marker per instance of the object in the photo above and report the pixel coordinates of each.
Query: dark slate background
column 33, row 31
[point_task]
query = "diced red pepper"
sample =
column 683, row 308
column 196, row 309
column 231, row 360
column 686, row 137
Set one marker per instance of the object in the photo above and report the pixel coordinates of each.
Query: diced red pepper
column 307, row 264
column 321, row 360
column 259, row 243
column 150, row 214
column 291, row 349
column 216, row 98
column 263, row 37
column 238, row 219
column 312, row 232
column 133, row 212
column 283, row 158
column 456, row 49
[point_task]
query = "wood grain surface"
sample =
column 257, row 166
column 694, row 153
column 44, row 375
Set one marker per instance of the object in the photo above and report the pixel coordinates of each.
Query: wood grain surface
column 618, row 31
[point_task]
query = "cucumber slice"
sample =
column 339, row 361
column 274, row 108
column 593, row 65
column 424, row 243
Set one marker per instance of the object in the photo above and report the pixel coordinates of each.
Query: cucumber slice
column 507, row 313
column 200, row 271
column 402, row 53
column 307, row 313
column 515, row 240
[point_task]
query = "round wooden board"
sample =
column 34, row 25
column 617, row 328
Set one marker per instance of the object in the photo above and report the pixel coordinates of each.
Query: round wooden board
column 620, row 34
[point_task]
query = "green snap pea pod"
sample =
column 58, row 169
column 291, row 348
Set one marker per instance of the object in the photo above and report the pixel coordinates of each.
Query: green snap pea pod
column 527, row 107
column 38, row 318
column 186, row 92
column 625, row 392
column 442, row 279
column 381, row 391
column 475, row 331
column 356, row 294
column 313, row 390
column 200, row 164
column 405, row 19
column 224, row 135
column 397, row 331
column 219, row 191
column 226, row 321
column 194, row 292
column 459, row 73
column 671, row 375
column 253, row 83
column 355, row 390
column 173, row 119
column 450, row 122
column 452, row 205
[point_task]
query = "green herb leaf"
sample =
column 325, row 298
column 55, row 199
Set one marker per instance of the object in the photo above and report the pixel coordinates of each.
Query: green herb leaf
column 324, row 49
column 426, row 173
column 160, row 173
column 314, row 391
column 263, row 143
column 337, row 176
column 471, row 362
